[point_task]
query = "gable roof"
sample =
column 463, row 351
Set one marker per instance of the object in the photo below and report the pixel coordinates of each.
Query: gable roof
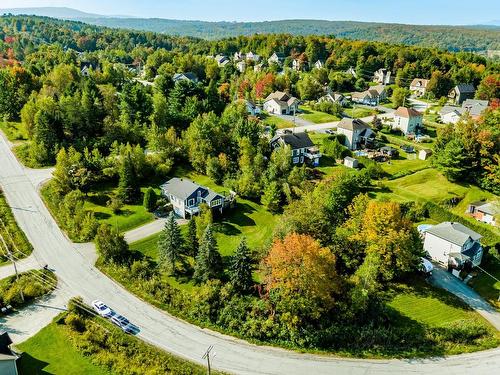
column 465, row 88
column 181, row 187
column 352, row 124
column 489, row 208
column 453, row 232
column 188, row 75
column 419, row 82
column 407, row 112
column 449, row 109
column 294, row 140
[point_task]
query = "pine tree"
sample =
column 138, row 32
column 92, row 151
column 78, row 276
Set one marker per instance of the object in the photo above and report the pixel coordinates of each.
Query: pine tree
column 272, row 197
column 150, row 199
column 170, row 243
column 208, row 261
column 127, row 187
column 240, row 269
column 192, row 239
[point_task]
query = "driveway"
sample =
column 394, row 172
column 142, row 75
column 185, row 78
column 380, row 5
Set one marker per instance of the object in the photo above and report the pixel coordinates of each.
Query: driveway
column 447, row 281
column 77, row 276
column 299, row 121
column 148, row 229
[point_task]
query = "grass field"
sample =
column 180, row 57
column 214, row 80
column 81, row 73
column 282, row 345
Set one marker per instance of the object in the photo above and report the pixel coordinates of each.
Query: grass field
column 359, row 112
column 130, row 216
column 280, row 123
column 486, row 285
column 51, row 352
column 14, row 131
column 316, row 117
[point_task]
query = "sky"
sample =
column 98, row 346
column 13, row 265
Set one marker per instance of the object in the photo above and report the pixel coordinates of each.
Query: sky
column 451, row 12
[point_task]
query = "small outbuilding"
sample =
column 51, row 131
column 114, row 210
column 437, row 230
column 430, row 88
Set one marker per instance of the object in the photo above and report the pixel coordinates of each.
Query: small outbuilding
column 350, row 162
column 424, row 154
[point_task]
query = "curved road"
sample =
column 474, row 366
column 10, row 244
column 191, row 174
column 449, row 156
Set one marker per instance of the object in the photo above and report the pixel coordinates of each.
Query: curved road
column 77, row 276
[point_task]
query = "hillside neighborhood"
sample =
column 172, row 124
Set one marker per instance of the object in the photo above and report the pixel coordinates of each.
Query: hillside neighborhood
column 165, row 198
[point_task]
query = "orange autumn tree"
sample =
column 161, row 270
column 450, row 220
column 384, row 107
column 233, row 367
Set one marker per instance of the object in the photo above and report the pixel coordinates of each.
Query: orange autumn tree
column 303, row 274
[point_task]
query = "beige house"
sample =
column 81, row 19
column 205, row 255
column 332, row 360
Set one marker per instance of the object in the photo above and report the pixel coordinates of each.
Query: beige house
column 357, row 132
column 419, row 86
column 407, row 120
column 281, row 103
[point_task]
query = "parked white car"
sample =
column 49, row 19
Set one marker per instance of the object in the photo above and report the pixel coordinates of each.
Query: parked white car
column 102, row 309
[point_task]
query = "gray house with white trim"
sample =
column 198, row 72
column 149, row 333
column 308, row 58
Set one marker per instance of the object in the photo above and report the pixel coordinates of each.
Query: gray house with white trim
column 187, row 196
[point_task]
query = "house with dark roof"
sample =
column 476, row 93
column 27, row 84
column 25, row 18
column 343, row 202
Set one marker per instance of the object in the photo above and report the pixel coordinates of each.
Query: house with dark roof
column 302, row 147
column 373, row 96
column 357, row 133
column 7, row 357
column 281, row 103
column 453, row 244
column 222, row 60
column 276, row 58
column 188, row 76
column 461, row 92
column 408, row 120
column 186, row 197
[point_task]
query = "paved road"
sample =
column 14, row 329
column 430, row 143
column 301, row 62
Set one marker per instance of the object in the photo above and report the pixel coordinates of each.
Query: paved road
column 447, row 281
column 148, row 229
column 77, row 276
column 23, row 265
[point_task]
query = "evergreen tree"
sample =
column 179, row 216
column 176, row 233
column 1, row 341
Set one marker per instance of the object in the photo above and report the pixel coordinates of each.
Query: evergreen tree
column 150, row 199
column 208, row 261
column 192, row 239
column 170, row 243
column 240, row 269
column 272, row 197
column 127, row 187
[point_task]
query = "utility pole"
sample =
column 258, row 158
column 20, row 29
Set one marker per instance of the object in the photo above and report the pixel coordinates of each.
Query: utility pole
column 9, row 254
column 207, row 357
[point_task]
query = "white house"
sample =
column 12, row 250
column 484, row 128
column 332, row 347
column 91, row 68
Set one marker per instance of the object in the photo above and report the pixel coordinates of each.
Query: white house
column 276, row 58
column 222, row 60
column 450, row 114
column 253, row 56
column 319, row 64
column 357, row 132
column 373, row 96
column 382, row 76
column 281, row 103
column 241, row 66
column 453, row 243
column 334, row 97
column 297, row 65
column 407, row 120
column 419, row 86
column 424, row 154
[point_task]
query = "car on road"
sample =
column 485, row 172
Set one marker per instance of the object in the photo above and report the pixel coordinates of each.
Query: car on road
column 123, row 323
column 329, row 131
column 102, row 309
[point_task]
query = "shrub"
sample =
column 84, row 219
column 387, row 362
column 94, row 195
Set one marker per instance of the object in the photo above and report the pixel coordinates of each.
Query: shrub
column 75, row 322
column 150, row 199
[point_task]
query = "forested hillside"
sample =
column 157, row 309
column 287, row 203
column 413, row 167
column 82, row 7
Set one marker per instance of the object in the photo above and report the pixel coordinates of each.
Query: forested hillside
column 453, row 38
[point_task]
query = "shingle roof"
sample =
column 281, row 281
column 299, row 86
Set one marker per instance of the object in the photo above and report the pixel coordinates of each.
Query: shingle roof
column 419, row 82
column 489, row 208
column 455, row 233
column 352, row 124
column 181, row 187
column 449, row 108
column 465, row 88
column 407, row 112
column 295, row 140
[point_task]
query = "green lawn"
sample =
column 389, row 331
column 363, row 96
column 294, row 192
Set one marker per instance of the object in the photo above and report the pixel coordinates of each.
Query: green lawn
column 280, row 123
column 316, row 117
column 130, row 216
column 51, row 352
column 14, row 131
column 359, row 112
column 486, row 285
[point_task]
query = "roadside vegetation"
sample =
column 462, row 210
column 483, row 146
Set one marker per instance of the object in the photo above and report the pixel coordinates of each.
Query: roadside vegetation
column 76, row 343
column 30, row 286
column 14, row 237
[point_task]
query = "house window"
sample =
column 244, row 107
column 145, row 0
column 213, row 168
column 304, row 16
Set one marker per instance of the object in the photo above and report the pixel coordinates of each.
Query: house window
column 301, row 159
column 216, row 202
column 191, row 202
column 295, row 160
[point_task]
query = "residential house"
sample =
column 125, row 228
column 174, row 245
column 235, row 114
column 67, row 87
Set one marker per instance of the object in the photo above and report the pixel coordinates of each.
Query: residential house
column 87, row 67
column 253, row 57
column 258, row 67
column 281, row 103
column 187, row 196
column 357, row 132
column 373, row 96
column 407, row 120
column 241, row 66
column 222, row 60
column 303, row 148
column 461, row 92
column 276, row 58
column 419, row 86
column 7, row 357
column 351, row 71
column 424, row 154
column 297, row 65
column 239, row 56
column 335, row 97
column 319, row 64
column 453, row 244
column 252, row 108
column 188, row 76
column 450, row 114
column 484, row 212
column 350, row 162
column 382, row 76
column 474, row 107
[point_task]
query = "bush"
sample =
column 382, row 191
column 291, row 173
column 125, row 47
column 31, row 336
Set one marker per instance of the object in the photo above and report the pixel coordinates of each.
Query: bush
column 115, row 204
column 150, row 199
column 75, row 322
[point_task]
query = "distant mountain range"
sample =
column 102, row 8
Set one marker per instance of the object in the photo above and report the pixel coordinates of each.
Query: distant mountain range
column 454, row 38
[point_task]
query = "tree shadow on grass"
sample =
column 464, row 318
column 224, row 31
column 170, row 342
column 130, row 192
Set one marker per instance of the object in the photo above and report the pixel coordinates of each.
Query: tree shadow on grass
column 227, row 229
column 99, row 199
column 239, row 216
column 28, row 364
column 101, row 215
